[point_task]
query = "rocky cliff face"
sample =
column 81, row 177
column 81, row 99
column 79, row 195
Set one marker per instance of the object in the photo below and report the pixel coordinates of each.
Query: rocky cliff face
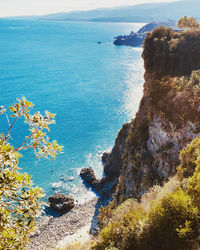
column 147, row 150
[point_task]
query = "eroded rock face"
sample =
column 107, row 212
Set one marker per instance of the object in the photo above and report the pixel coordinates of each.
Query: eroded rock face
column 165, row 143
column 146, row 151
column 61, row 203
column 114, row 162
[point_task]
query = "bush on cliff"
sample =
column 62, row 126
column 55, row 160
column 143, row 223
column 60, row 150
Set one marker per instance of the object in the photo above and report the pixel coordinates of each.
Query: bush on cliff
column 167, row 52
column 172, row 224
column 188, row 22
column 178, row 94
column 124, row 229
column 193, row 188
column 19, row 200
column 190, row 158
column 167, row 217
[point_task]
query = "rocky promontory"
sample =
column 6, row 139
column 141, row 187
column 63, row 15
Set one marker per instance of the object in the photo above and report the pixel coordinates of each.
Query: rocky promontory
column 146, row 151
column 136, row 39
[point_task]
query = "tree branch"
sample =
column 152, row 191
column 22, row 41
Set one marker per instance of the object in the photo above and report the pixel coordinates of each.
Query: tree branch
column 11, row 127
column 20, row 146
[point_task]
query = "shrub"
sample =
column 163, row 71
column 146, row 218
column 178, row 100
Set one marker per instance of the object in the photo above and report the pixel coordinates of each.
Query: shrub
column 188, row 22
column 189, row 158
column 193, row 188
column 123, row 232
column 172, row 223
column 167, row 52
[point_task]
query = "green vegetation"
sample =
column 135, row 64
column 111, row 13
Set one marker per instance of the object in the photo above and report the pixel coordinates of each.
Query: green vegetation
column 167, row 52
column 179, row 94
column 188, row 22
column 190, row 158
column 173, row 223
column 19, row 200
column 167, row 217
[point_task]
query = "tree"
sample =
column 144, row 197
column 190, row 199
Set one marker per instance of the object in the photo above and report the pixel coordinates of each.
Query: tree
column 19, row 200
column 188, row 22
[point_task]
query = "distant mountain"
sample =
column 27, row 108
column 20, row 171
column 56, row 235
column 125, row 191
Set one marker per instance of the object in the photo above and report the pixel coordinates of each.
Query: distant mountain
column 137, row 13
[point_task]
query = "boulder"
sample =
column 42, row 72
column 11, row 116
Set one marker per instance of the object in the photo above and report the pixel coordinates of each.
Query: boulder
column 61, row 203
column 102, row 186
column 88, row 175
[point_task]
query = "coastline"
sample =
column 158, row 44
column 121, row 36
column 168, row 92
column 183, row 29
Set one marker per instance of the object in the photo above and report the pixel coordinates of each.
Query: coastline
column 78, row 224
column 51, row 231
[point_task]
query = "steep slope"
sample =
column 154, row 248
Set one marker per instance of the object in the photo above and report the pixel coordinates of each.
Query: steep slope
column 168, row 116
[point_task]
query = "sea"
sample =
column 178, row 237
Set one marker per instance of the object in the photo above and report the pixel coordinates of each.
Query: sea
column 92, row 87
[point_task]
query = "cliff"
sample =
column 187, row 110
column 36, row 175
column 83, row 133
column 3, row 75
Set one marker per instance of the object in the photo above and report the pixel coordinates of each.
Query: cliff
column 147, row 149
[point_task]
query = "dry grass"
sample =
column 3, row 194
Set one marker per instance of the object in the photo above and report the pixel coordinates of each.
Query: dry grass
column 153, row 196
column 79, row 245
column 156, row 193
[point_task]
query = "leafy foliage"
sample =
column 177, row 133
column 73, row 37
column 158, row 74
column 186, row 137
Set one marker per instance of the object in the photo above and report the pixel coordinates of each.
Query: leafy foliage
column 190, row 157
column 167, row 217
column 172, row 223
column 193, row 188
column 19, row 200
column 180, row 94
column 188, row 22
column 168, row 52
column 124, row 230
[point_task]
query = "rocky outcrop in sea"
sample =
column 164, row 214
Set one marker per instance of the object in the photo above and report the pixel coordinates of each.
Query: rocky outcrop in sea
column 136, row 39
column 61, row 203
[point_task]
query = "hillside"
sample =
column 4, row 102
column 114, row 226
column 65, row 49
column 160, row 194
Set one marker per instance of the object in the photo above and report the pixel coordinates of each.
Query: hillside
column 137, row 13
column 156, row 157
column 136, row 39
column 168, row 117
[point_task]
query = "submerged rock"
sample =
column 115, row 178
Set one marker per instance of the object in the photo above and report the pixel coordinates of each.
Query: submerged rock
column 61, row 203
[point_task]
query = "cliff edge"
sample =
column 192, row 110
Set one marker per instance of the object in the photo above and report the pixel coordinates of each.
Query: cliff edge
column 147, row 149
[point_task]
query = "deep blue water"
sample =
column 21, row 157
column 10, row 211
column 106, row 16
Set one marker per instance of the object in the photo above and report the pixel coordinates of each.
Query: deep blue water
column 93, row 88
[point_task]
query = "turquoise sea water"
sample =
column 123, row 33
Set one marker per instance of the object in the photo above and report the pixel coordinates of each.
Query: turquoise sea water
column 93, row 88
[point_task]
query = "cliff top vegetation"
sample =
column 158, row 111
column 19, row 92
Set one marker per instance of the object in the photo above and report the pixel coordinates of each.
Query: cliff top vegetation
column 174, row 53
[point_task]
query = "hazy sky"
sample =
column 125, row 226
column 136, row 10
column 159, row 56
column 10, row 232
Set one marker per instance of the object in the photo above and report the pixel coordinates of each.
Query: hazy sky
column 37, row 7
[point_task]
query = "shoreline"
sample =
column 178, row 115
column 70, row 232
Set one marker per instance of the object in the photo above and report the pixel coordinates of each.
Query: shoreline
column 78, row 224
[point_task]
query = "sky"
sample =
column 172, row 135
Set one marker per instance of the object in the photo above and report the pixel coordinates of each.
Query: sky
column 38, row 7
